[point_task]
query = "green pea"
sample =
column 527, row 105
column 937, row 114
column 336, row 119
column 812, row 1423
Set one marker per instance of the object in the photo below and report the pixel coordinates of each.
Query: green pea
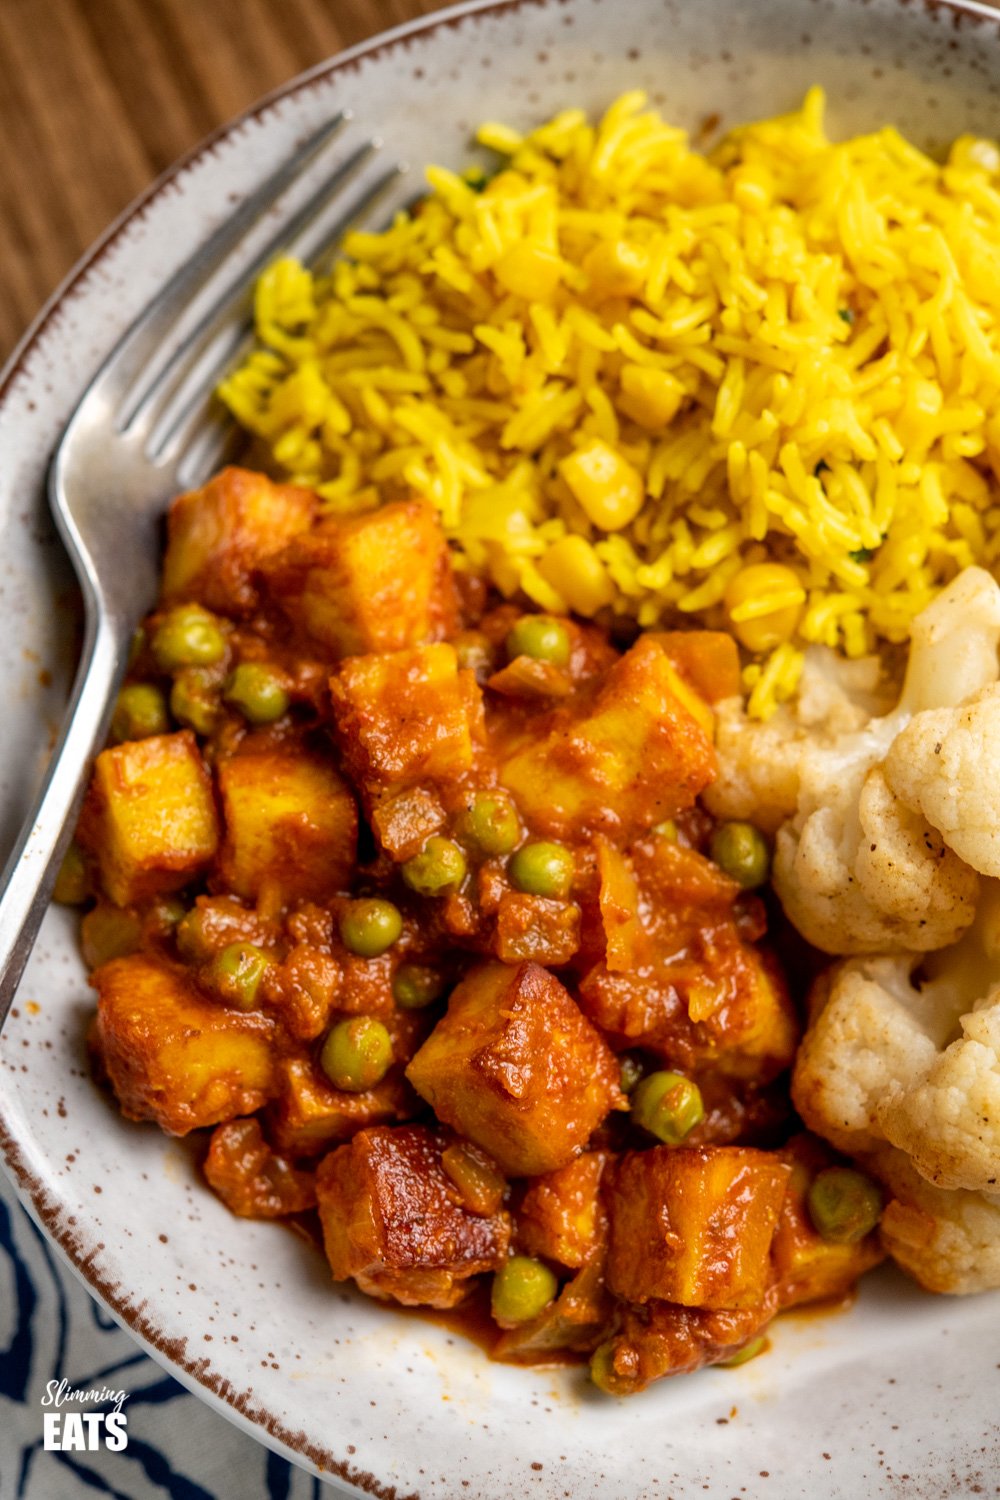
column 742, row 851
column 415, row 986
column 258, row 691
column 844, row 1205
column 667, row 830
column 668, row 1105
column 748, row 1352
column 370, row 927
column 72, row 886
column 140, row 711
column 187, row 637
column 492, row 824
column 235, row 973
column 542, row 869
column 438, row 868
column 631, row 1073
column 194, row 700
column 540, row 637
column 603, row 1372
column 357, row 1054
column 522, row 1288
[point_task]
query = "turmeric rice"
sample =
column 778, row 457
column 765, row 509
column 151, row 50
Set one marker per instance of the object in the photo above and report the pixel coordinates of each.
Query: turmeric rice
column 759, row 388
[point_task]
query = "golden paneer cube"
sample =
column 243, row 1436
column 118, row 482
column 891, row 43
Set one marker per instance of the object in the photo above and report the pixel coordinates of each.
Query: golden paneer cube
column 639, row 753
column 309, row 1115
column 375, row 582
column 218, row 536
column 709, row 660
column 149, row 819
column 291, row 825
column 174, row 1056
column 391, row 1219
column 517, row 1068
column 407, row 717
column 694, row 1225
column 561, row 1216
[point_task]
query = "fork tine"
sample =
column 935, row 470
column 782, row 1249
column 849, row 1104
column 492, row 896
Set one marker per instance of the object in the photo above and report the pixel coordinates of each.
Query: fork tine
column 214, row 445
column 236, row 299
column 149, row 331
column 179, row 420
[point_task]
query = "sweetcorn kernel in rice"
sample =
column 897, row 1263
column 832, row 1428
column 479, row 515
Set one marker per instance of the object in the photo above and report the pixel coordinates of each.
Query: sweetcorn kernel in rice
column 786, row 352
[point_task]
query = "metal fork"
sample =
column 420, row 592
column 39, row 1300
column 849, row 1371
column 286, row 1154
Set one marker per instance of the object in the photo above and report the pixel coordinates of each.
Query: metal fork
column 145, row 428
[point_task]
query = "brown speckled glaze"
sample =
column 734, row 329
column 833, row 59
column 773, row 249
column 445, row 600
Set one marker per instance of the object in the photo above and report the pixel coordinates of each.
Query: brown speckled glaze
column 897, row 1397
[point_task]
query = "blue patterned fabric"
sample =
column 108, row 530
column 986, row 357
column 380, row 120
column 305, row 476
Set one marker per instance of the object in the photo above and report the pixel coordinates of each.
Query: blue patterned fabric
column 52, row 1330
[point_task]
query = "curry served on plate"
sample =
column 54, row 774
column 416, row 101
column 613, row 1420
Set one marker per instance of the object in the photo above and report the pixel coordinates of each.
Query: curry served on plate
column 453, row 961
column 457, row 780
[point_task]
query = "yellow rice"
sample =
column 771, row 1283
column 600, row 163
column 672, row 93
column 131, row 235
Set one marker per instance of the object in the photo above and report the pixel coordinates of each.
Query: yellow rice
column 824, row 318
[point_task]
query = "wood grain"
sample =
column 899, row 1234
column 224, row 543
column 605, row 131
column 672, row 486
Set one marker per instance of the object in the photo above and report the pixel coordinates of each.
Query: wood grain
column 97, row 97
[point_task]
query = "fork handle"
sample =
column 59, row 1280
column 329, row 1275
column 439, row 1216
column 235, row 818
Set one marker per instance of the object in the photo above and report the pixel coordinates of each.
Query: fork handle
column 30, row 873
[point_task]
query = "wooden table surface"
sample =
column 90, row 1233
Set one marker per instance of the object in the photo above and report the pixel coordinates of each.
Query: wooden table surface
column 97, row 97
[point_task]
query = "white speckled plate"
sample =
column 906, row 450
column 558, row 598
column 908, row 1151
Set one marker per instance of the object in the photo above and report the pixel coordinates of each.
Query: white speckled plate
column 899, row 1397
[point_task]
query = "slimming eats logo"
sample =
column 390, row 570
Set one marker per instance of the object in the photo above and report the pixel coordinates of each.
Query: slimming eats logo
column 84, row 1431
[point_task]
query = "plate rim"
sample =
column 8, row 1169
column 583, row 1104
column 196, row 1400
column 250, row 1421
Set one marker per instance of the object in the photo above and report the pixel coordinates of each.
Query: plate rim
column 198, row 1375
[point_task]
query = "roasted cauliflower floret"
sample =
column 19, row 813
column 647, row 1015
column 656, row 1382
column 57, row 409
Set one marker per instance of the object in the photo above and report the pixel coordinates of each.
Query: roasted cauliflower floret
column 858, row 872
column 950, row 1121
column 949, row 1241
column 953, row 651
column 867, row 809
column 760, row 764
column 873, row 1035
column 915, row 1065
column 946, row 765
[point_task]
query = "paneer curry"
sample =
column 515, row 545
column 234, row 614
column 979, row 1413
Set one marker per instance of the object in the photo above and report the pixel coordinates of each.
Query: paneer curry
column 406, row 898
